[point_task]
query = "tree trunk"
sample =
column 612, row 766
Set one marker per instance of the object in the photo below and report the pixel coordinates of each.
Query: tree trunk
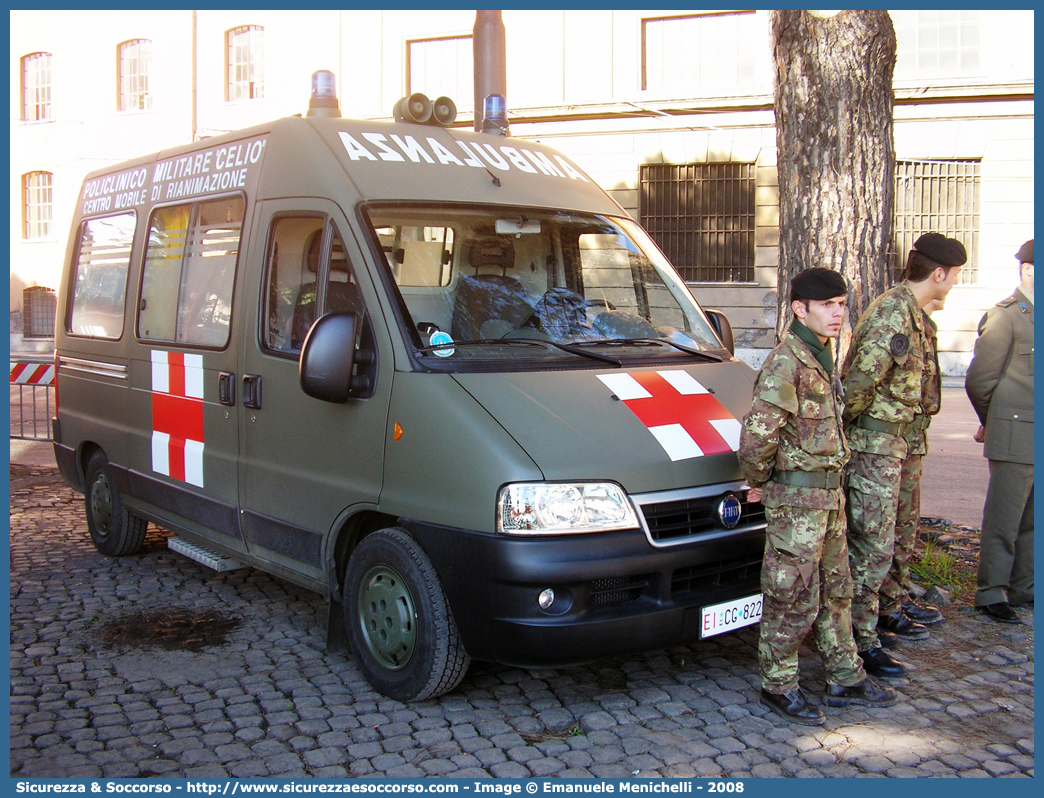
column 836, row 156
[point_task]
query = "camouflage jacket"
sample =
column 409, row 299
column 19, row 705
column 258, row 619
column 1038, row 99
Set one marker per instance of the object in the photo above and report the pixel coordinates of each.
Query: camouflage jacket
column 931, row 390
column 884, row 373
column 794, row 424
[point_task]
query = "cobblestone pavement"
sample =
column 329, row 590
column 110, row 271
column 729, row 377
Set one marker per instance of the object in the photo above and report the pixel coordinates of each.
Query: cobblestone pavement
column 269, row 701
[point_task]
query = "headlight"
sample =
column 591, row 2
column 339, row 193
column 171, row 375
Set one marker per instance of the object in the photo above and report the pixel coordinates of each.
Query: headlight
column 564, row 508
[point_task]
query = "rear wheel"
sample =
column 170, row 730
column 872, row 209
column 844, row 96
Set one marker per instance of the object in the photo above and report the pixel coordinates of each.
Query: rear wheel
column 398, row 621
column 115, row 530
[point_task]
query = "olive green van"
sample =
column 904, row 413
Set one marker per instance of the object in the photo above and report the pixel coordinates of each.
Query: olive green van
column 439, row 377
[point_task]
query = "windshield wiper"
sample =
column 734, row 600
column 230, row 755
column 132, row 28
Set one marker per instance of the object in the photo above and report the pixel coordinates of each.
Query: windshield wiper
column 575, row 349
column 649, row 342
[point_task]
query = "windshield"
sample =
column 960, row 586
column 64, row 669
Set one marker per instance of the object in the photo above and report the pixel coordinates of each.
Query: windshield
column 486, row 284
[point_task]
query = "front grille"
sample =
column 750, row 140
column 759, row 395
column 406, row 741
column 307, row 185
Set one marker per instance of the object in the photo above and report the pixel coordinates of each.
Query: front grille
column 729, row 572
column 676, row 521
column 616, row 591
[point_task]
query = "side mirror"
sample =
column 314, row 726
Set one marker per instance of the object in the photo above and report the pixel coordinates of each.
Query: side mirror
column 721, row 326
column 328, row 358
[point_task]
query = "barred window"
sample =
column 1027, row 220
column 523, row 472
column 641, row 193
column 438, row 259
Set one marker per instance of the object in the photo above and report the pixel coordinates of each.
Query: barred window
column 936, row 43
column 941, row 197
column 441, row 67
column 245, row 61
column 134, row 64
column 702, row 217
column 694, row 53
column 36, row 205
column 36, row 87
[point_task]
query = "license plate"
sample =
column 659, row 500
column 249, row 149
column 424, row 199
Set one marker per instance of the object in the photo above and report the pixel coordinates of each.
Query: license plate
column 730, row 615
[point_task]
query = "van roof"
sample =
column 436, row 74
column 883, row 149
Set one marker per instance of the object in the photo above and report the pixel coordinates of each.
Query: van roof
column 401, row 162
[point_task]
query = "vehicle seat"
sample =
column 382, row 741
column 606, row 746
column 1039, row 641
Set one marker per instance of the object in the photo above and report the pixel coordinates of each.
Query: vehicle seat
column 486, row 298
column 342, row 295
column 562, row 314
column 491, row 252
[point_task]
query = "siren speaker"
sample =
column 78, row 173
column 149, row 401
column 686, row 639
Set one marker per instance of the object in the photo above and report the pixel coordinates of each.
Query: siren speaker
column 444, row 111
column 415, row 108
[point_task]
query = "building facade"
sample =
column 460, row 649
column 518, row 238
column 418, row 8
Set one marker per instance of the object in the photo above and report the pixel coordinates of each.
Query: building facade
column 670, row 111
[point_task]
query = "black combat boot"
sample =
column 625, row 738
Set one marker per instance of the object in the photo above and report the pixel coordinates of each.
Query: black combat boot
column 929, row 616
column 792, row 705
column 877, row 663
column 867, row 693
column 898, row 623
column 887, row 639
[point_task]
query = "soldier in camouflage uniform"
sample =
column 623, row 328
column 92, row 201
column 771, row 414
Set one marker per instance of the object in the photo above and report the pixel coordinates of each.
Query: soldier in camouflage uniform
column 792, row 451
column 885, row 374
column 895, row 591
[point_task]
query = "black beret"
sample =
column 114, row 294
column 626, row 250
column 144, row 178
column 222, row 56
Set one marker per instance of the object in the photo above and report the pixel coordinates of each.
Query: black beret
column 942, row 250
column 817, row 283
column 1025, row 253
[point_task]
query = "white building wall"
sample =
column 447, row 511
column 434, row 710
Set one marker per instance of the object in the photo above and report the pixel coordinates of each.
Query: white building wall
column 573, row 81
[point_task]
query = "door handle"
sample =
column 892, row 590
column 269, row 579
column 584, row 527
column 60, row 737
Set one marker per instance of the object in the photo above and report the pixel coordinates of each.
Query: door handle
column 252, row 391
column 227, row 388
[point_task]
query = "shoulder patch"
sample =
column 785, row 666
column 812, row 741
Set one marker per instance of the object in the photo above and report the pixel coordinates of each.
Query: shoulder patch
column 899, row 345
column 1007, row 301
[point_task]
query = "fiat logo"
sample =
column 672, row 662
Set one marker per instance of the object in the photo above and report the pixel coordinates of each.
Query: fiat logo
column 729, row 511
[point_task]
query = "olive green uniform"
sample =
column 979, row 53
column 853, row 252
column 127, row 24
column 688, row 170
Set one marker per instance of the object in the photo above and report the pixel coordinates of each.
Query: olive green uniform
column 793, row 434
column 883, row 377
column 1000, row 386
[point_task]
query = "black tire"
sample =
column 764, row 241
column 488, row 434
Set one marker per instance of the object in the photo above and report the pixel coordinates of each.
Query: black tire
column 115, row 530
column 398, row 621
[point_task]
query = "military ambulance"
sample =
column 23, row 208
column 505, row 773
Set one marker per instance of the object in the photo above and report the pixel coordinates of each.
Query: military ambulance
column 439, row 377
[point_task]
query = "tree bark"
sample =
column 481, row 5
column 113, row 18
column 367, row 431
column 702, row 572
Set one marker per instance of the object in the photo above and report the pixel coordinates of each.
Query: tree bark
column 836, row 155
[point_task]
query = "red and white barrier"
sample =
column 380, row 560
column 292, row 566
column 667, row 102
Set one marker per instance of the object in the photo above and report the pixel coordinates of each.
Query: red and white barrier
column 32, row 374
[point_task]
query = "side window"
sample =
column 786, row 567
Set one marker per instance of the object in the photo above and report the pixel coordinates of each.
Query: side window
column 190, row 269
column 100, row 284
column 308, row 276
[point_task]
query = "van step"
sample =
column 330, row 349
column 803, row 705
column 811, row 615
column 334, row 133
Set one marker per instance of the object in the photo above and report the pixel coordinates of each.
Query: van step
column 201, row 554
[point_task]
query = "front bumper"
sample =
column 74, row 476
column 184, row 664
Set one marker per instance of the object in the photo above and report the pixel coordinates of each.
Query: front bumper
column 616, row 593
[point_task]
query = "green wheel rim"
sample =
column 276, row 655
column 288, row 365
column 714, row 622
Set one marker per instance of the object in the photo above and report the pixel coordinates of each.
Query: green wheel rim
column 387, row 617
column 101, row 505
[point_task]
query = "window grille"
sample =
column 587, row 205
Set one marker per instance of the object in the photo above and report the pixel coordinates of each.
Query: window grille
column 36, row 87
column 36, row 205
column 441, row 67
column 38, row 308
column 135, row 63
column 702, row 217
column 941, row 197
column 246, row 63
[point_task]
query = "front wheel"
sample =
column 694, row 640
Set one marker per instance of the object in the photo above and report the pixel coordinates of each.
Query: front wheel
column 398, row 620
column 114, row 529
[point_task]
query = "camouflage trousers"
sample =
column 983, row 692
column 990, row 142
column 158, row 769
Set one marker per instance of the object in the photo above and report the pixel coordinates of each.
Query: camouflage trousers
column 895, row 590
column 807, row 585
column 873, row 501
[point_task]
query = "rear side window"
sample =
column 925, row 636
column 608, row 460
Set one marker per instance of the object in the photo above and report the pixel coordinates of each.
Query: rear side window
column 189, row 273
column 100, row 285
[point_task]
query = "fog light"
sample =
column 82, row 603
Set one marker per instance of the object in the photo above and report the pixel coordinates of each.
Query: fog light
column 546, row 599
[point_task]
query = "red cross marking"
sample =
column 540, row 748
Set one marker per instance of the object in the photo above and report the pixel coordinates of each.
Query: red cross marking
column 693, row 412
